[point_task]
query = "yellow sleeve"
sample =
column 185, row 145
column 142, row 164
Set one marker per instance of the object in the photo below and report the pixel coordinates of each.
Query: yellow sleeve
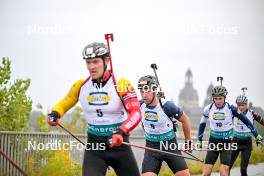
column 69, row 100
column 124, row 86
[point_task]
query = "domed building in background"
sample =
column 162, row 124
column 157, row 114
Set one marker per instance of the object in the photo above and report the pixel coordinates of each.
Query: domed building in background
column 189, row 100
column 188, row 97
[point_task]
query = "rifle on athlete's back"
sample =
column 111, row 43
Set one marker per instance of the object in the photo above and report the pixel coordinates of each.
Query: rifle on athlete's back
column 161, row 95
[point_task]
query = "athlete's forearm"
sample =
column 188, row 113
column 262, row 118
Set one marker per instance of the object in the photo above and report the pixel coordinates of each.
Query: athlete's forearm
column 186, row 126
column 134, row 115
column 64, row 105
column 69, row 100
column 131, row 103
column 245, row 120
column 202, row 127
column 201, row 130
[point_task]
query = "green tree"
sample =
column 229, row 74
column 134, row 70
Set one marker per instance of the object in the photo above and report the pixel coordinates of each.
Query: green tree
column 15, row 105
column 76, row 124
column 42, row 124
column 60, row 163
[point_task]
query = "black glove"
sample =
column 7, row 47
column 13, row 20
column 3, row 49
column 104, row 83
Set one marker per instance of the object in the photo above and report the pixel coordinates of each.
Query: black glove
column 259, row 140
column 53, row 118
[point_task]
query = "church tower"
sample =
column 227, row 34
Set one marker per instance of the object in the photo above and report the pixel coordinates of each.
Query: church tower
column 188, row 97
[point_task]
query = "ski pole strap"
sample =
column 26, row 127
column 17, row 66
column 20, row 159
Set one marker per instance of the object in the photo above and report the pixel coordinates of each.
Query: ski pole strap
column 12, row 162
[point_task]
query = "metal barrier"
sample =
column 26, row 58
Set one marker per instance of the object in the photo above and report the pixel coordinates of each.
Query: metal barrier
column 19, row 146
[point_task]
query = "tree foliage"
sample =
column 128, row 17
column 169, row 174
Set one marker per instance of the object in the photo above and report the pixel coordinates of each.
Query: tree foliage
column 76, row 124
column 15, row 105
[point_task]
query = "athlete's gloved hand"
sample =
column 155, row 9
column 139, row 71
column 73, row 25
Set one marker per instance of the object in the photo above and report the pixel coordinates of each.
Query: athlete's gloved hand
column 53, row 118
column 259, row 140
column 188, row 145
column 199, row 144
column 117, row 138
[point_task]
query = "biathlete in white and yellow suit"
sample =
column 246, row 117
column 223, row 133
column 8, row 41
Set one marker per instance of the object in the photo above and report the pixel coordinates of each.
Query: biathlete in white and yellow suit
column 111, row 110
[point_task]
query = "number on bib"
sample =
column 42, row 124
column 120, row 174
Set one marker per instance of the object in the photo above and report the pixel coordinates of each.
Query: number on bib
column 219, row 124
column 99, row 113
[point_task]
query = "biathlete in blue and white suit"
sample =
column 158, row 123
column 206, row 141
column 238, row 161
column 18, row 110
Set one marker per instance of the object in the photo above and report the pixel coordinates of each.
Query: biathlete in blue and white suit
column 158, row 118
column 220, row 115
column 242, row 134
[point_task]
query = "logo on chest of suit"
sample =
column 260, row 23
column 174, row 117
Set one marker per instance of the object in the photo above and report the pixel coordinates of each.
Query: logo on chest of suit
column 151, row 116
column 98, row 98
column 218, row 116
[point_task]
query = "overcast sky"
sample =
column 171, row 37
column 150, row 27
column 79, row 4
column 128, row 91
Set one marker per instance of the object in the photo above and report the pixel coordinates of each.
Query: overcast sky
column 44, row 40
